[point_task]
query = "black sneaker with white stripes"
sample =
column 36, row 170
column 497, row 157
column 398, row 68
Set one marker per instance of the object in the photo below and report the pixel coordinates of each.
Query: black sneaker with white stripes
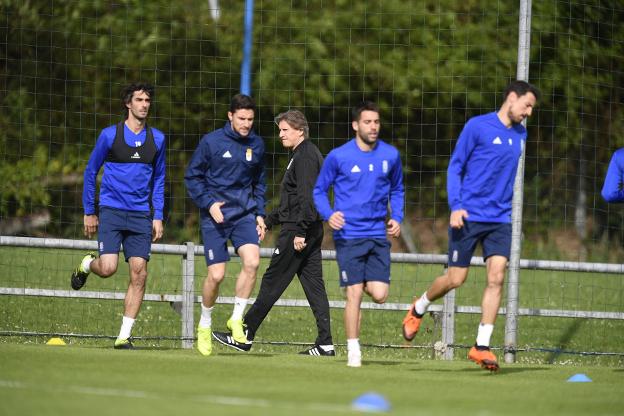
column 226, row 339
column 319, row 351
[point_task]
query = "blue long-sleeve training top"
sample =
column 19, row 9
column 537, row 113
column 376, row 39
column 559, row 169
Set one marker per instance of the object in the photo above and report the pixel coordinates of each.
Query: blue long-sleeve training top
column 229, row 168
column 483, row 167
column 613, row 188
column 127, row 185
column 363, row 184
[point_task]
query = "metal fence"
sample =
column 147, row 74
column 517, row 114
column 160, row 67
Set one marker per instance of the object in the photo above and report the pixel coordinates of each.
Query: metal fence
column 446, row 311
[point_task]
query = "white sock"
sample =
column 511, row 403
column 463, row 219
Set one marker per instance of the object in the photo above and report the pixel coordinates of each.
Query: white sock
column 353, row 344
column 86, row 264
column 126, row 328
column 484, row 334
column 205, row 321
column 422, row 304
column 326, row 347
column 239, row 308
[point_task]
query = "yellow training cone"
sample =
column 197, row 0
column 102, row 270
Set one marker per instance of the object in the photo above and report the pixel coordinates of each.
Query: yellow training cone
column 55, row 341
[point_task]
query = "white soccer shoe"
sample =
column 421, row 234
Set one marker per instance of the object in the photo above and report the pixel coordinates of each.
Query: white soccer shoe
column 354, row 359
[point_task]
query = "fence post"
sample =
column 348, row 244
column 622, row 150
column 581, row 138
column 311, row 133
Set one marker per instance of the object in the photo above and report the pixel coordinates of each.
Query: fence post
column 522, row 73
column 188, row 295
column 448, row 324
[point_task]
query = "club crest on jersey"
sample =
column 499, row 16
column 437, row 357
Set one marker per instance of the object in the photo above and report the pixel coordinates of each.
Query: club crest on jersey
column 370, row 167
column 384, row 166
column 248, row 154
column 510, row 142
column 355, row 169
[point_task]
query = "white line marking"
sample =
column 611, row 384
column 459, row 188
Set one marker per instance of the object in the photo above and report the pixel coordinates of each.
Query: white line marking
column 138, row 394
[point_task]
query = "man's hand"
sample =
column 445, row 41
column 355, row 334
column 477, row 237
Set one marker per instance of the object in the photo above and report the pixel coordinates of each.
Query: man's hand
column 299, row 243
column 157, row 230
column 394, row 228
column 457, row 218
column 90, row 225
column 261, row 227
column 336, row 221
column 215, row 211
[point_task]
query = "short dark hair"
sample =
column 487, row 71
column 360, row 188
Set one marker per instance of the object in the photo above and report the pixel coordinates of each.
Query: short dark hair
column 366, row 105
column 242, row 101
column 128, row 91
column 295, row 119
column 521, row 88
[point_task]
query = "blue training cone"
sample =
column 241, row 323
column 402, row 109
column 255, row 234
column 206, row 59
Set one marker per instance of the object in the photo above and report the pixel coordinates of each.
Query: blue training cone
column 371, row 402
column 579, row 378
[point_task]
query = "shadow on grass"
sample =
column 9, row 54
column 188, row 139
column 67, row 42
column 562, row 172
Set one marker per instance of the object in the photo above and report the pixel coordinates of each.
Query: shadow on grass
column 506, row 371
column 502, row 372
column 139, row 348
column 385, row 363
column 246, row 354
column 566, row 337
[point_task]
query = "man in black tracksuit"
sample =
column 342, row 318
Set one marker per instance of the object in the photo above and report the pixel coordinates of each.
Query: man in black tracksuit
column 298, row 248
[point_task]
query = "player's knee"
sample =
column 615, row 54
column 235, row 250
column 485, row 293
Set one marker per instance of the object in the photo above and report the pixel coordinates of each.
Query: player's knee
column 455, row 283
column 107, row 269
column 455, row 280
column 379, row 297
column 495, row 281
column 216, row 278
column 139, row 273
column 251, row 265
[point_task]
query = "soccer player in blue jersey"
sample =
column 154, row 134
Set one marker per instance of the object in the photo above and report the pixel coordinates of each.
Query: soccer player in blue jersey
column 226, row 180
column 366, row 176
column 613, row 188
column 480, row 180
column 133, row 156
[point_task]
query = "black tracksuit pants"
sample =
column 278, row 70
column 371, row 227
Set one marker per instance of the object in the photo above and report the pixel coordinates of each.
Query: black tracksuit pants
column 285, row 263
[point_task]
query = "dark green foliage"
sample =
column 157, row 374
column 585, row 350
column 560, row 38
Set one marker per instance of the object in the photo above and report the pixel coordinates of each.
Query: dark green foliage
column 430, row 64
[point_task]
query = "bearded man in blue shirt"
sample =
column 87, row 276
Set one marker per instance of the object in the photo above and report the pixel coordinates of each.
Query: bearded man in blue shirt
column 366, row 176
column 480, row 180
column 133, row 156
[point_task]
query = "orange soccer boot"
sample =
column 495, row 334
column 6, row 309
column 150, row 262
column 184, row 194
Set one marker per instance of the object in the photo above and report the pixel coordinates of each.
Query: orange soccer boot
column 484, row 357
column 411, row 324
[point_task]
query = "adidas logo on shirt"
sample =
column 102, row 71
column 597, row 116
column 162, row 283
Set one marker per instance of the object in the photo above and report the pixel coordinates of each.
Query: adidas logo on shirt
column 227, row 154
column 497, row 140
column 135, row 156
column 355, row 169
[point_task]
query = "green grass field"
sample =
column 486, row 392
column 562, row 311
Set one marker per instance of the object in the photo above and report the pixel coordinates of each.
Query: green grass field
column 50, row 269
column 36, row 379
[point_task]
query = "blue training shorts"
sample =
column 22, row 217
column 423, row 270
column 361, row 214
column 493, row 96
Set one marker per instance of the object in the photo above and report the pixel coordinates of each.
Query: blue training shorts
column 215, row 236
column 363, row 260
column 132, row 228
column 495, row 238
